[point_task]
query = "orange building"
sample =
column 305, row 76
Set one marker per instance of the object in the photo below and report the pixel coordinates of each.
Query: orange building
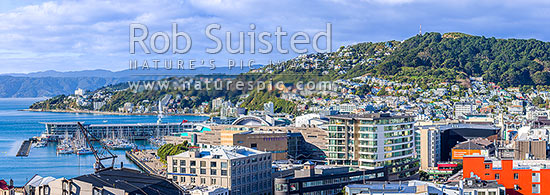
column 518, row 177
column 458, row 154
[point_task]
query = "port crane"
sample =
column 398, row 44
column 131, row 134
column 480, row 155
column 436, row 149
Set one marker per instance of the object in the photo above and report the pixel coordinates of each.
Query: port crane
column 100, row 155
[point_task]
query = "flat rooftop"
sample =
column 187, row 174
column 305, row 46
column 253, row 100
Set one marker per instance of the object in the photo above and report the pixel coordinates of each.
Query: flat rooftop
column 221, row 152
column 373, row 116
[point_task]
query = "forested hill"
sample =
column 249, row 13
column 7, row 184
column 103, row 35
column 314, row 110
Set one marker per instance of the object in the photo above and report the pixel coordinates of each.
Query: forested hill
column 504, row 61
column 431, row 57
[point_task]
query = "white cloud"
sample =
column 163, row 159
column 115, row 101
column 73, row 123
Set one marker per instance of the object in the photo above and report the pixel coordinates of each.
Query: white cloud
column 94, row 34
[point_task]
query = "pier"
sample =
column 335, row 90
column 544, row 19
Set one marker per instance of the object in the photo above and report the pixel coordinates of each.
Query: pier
column 24, row 149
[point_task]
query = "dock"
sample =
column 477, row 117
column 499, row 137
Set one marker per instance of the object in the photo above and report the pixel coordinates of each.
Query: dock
column 24, row 149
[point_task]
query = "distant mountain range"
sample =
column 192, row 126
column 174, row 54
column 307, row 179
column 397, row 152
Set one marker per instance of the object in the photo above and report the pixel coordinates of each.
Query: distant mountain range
column 52, row 83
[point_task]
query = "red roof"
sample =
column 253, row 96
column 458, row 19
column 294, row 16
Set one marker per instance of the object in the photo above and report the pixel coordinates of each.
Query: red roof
column 4, row 185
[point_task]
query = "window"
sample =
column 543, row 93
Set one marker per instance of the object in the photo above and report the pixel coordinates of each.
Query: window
column 497, row 176
column 487, row 166
column 281, row 188
column 192, row 180
column 223, row 164
column 516, row 175
column 182, row 162
column 480, row 193
column 203, row 171
column 516, row 187
column 224, row 172
column 536, row 188
column 213, row 181
column 536, row 177
column 492, row 193
column 193, row 163
column 213, row 172
column 203, row 180
column 96, row 191
column 182, row 170
column 294, row 186
column 254, row 145
column 192, row 170
column 212, row 164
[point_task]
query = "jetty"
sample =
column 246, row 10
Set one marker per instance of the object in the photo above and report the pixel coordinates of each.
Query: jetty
column 24, row 149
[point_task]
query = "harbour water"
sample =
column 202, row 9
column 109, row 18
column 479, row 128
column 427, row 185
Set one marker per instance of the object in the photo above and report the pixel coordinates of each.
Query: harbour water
column 16, row 126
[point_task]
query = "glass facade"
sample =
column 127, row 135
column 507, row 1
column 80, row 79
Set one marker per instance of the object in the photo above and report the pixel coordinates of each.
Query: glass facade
column 371, row 142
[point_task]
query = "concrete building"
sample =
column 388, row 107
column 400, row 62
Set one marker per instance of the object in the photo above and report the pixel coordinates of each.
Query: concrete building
column 310, row 120
column 211, row 190
column 269, row 108
column 79, row 92
column 323, row 179
column 274, row 142
column 217, row 103
column 429, row 147
column 530, row 150
column 477, row 146
column 242, row 170
column 98, row 105
column 47, row 185
column 307, row 143
column 412, row 187
column 473, row 186
column 347, row 108
column 464, row 108
column 373, row 141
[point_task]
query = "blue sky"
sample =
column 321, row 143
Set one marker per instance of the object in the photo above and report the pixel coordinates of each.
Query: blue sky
column 81, row 35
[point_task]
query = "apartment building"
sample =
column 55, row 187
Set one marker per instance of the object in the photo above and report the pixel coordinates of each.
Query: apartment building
column 518, row 176
column 372, row 141
column 429, row 146
column 464, row 108
column 242, row 170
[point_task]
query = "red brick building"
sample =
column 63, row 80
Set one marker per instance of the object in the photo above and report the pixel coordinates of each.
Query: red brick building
column 518, row 177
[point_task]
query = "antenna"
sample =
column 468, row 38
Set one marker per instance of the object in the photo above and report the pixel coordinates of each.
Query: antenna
column 99, row 156
column 160, row 116
column 420, row 32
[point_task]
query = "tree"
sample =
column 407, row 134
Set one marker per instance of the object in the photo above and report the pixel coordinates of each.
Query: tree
column 541, row 78
column 538, row 101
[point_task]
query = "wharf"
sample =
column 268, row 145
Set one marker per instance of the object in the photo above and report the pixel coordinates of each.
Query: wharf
column 24, row 149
